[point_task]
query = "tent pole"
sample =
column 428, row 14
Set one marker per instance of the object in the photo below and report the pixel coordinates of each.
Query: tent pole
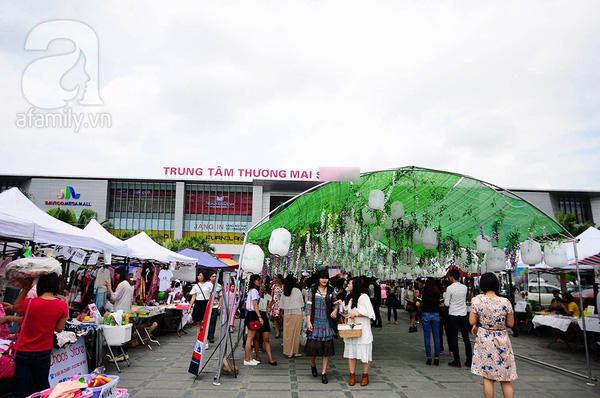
column 585, row 342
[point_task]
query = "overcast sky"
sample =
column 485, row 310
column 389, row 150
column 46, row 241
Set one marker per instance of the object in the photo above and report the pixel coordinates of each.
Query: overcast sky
column 508, row 92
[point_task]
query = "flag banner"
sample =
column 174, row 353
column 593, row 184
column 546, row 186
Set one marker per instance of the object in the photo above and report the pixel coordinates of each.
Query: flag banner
column 198, row 353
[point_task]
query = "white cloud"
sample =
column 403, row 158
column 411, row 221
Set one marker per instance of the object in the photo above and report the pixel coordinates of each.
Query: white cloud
column 505, row 92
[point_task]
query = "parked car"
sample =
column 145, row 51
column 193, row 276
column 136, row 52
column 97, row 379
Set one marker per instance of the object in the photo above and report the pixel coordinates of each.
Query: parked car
column 588, row 297
column 541, row 294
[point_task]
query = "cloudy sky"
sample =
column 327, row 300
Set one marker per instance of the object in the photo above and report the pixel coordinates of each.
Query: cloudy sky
column 508, row 92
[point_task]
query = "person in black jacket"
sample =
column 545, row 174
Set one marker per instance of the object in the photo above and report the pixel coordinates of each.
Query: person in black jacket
column 376, row 302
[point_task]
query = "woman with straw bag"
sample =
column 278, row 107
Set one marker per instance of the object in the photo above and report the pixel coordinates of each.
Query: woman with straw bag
column 358, row 309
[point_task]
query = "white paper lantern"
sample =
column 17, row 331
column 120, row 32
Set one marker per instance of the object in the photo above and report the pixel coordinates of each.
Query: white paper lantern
column 496, row 260
column 556, row 254
column 463, row 259
column 405, row 269
column 417, row 237
column 388, row 222
column 531, row 252
column 430, row 240
column 253, row 259
column 368, row 216
column 439, row 273
column 279, row 243
column 397, row 210
column 378, row 233
column 484, row 244
column 473, row 268
column 376, row 199
column 417, row 271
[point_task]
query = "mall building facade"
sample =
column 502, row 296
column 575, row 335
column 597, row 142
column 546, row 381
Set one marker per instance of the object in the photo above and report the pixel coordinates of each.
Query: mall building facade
column 220, row 211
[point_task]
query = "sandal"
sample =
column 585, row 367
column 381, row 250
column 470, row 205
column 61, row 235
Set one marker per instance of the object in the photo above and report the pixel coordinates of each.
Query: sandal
column 274, row 363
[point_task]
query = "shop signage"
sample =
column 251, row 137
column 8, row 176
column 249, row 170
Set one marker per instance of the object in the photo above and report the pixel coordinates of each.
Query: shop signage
column 239, row 174
column 68, row 361
column 216, row 226
column 65, row 195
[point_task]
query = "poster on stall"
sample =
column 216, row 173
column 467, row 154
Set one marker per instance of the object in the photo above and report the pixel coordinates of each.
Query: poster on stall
column 198, row 354
column 67, row 361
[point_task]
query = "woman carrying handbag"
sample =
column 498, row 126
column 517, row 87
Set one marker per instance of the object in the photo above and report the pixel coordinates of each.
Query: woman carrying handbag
column 358, row 309
column 44, row 316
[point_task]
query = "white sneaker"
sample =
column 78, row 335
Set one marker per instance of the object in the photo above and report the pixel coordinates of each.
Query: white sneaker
column 252, row 362
column 206, row 346
column 117, row 358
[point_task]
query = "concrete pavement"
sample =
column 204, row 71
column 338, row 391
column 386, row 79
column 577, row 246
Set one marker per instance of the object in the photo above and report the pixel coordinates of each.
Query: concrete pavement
column 398, row 370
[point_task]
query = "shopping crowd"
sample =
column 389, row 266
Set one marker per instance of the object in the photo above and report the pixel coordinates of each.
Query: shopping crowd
column 314, row 310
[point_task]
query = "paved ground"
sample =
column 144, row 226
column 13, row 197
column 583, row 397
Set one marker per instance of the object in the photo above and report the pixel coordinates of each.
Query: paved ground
column 398, row 370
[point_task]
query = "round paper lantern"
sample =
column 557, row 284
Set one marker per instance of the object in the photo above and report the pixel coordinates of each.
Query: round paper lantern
column 388, row 222
column 377, row 233
column 430, row 240
column 368, row 216
column 463, row 259
column 484, row 245
column 397, row 210
column 376, row 199
column 496, row 260
column 253, row 259
column 531, row 252
column 279, row 243
column 417, row 271
column 405, row 269
column 473, row 268
column 417, row 237
column 556, row 255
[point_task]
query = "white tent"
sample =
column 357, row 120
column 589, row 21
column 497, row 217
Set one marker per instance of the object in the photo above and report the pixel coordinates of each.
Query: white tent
column 143, row 247
column 15, row 228
column 14, row 206
column 96, row 230
column 588, row 247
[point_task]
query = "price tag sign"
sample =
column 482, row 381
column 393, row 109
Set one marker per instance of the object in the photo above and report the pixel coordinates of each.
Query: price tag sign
column 94, row 311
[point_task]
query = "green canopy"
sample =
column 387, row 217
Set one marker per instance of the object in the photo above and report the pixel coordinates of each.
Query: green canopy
column 331, row 225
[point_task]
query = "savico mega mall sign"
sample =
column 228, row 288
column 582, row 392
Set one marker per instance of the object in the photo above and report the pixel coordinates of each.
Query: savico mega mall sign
column 65, row 197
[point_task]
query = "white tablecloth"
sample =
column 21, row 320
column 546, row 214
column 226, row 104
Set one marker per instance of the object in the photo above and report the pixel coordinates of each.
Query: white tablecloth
column 592, row 323
column 555, row 321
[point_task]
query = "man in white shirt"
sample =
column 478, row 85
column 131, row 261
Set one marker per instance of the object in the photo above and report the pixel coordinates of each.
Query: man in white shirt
column 456, row 301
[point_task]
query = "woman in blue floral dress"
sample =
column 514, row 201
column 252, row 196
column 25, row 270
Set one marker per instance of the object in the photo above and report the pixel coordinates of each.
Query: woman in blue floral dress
column 493, row 356
column 321, row 314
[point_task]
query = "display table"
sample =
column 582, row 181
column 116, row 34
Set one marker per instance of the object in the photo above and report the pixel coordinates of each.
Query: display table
column 564, row 328
column 559, row 322
column 592, row 323
column 144, row 316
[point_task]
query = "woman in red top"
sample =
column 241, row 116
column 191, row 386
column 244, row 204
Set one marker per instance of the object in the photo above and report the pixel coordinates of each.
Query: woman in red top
column 45, row 315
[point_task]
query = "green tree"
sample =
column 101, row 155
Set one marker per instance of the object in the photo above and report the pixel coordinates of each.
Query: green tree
column 198, row 243
column 123, row 235
column 70, row 217
column 569, row 222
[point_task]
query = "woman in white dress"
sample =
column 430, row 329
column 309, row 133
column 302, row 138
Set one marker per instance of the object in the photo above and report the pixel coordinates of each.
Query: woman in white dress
column 357, row 307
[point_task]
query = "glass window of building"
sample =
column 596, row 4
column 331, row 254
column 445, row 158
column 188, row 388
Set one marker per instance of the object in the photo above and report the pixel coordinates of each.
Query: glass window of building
column 219, row 213
column 139, row 206
column 580, row 206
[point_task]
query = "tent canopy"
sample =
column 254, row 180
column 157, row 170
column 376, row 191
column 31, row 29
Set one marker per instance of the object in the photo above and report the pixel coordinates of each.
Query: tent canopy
column 15, row 207
column 588, row 248
column 204, row 259
column 143, row 247
column 329, row 224
column 95, row 229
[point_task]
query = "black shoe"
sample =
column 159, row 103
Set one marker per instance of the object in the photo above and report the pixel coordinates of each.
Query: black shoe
column 211, row 341
column 428, row 362
column 436, row 362
column 454, row 364
column 468, row 364
column 314, row 371
column 324, row 379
